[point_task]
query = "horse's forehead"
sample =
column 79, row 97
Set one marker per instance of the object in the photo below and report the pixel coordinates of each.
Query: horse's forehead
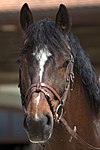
column 42, row 56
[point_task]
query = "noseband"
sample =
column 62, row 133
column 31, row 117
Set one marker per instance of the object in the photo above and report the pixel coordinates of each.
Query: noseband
column 47, row 90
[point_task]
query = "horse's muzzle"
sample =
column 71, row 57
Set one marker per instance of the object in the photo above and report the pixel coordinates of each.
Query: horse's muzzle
column 39, row 129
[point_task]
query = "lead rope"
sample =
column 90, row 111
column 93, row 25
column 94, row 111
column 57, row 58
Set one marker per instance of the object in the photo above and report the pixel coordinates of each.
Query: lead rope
column 77, row 137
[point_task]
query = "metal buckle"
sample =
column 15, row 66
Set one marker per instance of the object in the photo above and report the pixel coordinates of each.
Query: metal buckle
column 59, row 113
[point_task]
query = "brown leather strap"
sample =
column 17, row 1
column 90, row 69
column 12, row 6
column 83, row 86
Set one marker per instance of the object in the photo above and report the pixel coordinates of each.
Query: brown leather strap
column 51, row 89
column 36, row 87
column 77, row 137
column 41, row 87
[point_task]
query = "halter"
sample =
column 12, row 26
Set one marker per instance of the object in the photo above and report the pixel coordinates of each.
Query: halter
column 58, row 111
column 47, row 90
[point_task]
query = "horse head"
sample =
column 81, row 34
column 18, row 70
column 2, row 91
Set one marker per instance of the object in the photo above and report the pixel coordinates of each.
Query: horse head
column 46, row 72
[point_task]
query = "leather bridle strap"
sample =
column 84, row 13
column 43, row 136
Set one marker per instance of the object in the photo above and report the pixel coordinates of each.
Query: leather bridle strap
column 46, row 90
column 77, row 137
column 38, row 87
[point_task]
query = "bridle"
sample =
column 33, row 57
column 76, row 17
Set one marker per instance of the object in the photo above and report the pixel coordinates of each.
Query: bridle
column 47, row 90
column 58, row 111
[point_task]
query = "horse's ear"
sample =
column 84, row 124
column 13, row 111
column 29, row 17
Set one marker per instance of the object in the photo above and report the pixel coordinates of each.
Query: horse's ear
column 26, row 18
column 63, row 19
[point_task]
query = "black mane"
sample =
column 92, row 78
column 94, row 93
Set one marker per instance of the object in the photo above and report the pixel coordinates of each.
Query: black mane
column 86, row 71
column 45, row 32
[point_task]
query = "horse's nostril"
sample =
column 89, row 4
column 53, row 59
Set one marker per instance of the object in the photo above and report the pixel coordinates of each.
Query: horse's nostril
column 48, row 119
column 45, row 120
column 39, row 128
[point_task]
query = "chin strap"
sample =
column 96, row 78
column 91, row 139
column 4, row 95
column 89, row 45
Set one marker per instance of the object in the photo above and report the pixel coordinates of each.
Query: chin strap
column 76, row 136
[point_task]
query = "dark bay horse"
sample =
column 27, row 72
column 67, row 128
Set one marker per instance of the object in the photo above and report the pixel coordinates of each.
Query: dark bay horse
column 59, row 87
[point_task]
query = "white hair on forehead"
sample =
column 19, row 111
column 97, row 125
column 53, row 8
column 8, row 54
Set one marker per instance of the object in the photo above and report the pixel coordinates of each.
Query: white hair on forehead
column 42, row 56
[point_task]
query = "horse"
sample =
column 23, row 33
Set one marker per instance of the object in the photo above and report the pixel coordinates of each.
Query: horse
column 60, row 89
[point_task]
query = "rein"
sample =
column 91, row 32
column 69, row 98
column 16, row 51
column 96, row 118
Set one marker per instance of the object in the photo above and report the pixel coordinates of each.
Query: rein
column 77, row 136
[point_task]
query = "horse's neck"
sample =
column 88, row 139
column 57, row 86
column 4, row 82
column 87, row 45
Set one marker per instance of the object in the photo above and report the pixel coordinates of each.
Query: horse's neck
column 79, row 114
column 78, row 103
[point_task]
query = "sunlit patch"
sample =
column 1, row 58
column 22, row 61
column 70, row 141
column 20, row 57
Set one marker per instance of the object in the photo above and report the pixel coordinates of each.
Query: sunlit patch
column 37, row 99
column 36, row 102
column 37, row 142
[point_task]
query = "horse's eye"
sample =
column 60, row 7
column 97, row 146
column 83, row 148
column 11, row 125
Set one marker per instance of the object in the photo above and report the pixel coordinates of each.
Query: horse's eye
column 65, row 64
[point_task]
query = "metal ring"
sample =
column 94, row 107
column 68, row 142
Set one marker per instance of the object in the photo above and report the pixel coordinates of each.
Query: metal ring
column 61, row 110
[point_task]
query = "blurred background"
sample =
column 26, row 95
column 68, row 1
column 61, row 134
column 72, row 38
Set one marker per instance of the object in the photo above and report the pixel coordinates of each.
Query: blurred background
column 85, row 16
